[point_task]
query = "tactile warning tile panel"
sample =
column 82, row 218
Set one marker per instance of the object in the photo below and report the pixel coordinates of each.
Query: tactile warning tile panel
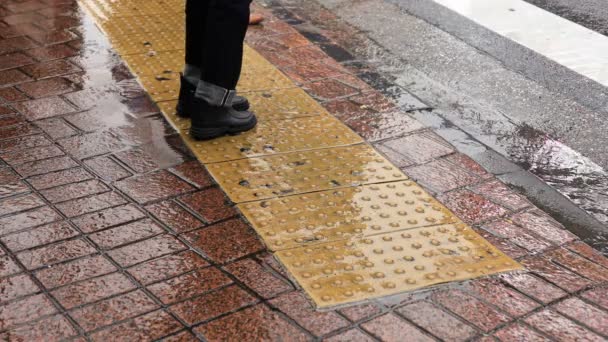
column 300, row 172
column 110, row 9
column 161, row 87
column 309, row 219
column 352, row 270
column 156, row 63
column 139, row 24
column 276, row 136
column 144, row 42
column 278, row 104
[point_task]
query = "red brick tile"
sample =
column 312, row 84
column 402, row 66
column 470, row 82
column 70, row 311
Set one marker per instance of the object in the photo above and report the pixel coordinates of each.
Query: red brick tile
column 8, row 266
column 588, row 252
column 45, row 166
column 420, row 147
column 385, row 126
column 16, row 30
column 587, row 314
column 44, row 108
column 112, row 310
column 298, row 308
column 16, row 44
column 252, row 324
column 360, row 312
column 167, row 267
column 194, row 172
column 122, row 235
column 560, row 328
column 391, row 328
column 56, row 128
column 471, row 207
column 54, row 328
column 50, row 69
column 599, row 296
column 7, row 117
column 28, row 219
column 441, row 176
column 346, row 110
column 437, row 321
column 534, row 287
column 60, row 23
column 31, row 155
column 211, row 204
column 51, row 180
column 506, row 246
column 174, row 216
column 24, row 6
column 311, row 71
column 73, row 191
column 25, row 310
column 22, row 203
column 11, row 94
column 257, row 278
column 212, row 304
column 184, row 336
column 54, row 37
column 49, row 53
column 152, row 187
column 138, row 159
column 13, row 189
column 10, row 61
column 17, row 286
column 578, row 264
column 543, row 225
column 499, row 193
column 350, row 335
column 471, row 309
column 107, row 169
column 519, row 332
column 74, row 271
column 268, row 260
column 506, row 299
column 557, row 275
column 23, row 143
column 39, row 236
column 330, row 89
column 49, row 255
column 48, row 87
column 189, row 285
column 375, row 101
column 469, row 164
column 518, row 236
column 92, row 290
column 18, row 131
column 108, row 218
column 90, row 204
column 93, row 144
column 225, row 241
column 149, row 327
column 145, row 250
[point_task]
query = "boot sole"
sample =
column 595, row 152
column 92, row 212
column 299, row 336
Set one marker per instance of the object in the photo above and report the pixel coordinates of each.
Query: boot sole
column 214, row 132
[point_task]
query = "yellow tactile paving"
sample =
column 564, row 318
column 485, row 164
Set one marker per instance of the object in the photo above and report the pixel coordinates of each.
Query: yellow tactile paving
column 309, row 219
column 277, row 136
column 346, row 223
column 355, row 269
column 301, row 172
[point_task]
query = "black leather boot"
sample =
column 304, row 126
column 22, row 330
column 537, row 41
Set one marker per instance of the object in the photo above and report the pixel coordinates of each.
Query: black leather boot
column 186, row 94
column 211, row 121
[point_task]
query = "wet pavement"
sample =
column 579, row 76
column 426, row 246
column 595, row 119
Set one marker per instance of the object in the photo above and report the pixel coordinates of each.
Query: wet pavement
column 111, row 228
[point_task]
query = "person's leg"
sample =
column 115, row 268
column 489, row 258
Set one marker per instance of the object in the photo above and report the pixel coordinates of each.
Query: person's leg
column 196, row 17
column 227, row 22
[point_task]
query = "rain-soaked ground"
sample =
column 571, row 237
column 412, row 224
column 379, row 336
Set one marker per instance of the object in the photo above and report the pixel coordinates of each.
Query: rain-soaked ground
column 523, row 152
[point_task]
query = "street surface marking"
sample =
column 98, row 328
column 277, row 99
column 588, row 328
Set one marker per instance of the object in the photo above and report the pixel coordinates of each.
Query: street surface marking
column 567, row 43
column 347, row 224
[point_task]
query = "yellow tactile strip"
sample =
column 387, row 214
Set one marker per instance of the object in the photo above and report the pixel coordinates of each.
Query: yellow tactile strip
column 346, row 223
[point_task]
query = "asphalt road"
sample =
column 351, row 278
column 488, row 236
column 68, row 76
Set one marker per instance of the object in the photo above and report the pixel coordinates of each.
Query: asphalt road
column 593, row 14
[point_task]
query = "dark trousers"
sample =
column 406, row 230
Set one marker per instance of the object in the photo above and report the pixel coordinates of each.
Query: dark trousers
column 215, row 30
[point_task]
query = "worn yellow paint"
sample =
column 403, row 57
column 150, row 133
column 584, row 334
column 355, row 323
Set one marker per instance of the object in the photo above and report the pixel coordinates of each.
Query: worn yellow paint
column 346, row 223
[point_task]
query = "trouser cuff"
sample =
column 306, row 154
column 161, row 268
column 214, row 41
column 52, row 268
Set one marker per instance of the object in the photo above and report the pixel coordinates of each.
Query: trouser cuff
column 214, row 95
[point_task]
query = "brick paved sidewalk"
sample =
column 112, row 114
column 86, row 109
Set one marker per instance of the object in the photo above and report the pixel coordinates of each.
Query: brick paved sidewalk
column 109, row 229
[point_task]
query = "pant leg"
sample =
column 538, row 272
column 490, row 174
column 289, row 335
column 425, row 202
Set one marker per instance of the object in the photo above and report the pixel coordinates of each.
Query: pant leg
column 196, row 22
column 227, row 22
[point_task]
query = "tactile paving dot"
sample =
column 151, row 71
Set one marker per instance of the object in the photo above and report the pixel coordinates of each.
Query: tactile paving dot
column 276, row 136
column 309, row 219
column 300, row 172
column 139, row 24
column 156, row 63
column 352, row 270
